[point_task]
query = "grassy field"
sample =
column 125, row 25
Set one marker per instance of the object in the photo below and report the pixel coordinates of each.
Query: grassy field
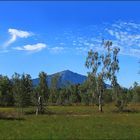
column 74, row 122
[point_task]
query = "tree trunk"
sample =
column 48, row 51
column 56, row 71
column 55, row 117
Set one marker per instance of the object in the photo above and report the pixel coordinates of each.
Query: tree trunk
column 100, row 103
column 37, row 111
column 38, row 106
column 100, row 108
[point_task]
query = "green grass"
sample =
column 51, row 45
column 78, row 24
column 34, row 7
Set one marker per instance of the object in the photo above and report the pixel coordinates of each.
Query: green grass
column 73, row 122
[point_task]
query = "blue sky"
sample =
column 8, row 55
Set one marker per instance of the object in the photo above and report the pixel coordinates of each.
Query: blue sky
column 55, row 36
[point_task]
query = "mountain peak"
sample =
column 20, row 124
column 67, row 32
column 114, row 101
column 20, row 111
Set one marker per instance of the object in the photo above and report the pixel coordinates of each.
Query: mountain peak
column 70, row 72
column 66, row 71
column 66, row 76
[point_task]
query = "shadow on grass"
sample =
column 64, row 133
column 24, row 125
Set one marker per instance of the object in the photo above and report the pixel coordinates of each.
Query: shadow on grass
column 11, row 116
column 126, row 111
column 33, row 112
column 50, row 112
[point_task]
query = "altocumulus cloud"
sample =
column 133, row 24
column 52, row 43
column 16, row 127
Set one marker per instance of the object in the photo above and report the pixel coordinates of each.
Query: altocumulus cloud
column 125, row 35
column 16, row 34
column 56, row 49
column 32, row 48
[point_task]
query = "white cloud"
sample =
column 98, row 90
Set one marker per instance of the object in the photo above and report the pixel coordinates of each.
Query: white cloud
column 56, row 49
column 82, row 49
column 32, row 48
column 62, row 43
column 125, row 35
column 16, row 34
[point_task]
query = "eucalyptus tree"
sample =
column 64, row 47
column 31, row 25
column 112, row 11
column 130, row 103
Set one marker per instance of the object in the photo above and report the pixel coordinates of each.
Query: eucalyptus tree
column 93, row 62
column 103, row 67
column 41, row 93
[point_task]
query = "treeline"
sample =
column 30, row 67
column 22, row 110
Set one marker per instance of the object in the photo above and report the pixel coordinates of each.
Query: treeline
column 19, row 91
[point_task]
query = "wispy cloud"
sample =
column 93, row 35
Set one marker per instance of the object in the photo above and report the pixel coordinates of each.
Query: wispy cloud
column 32, row 48
column 16, row 34
column 56, row 50
column 125, row 35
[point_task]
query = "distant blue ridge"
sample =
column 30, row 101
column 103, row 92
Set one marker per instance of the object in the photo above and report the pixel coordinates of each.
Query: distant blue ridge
column 67, row 77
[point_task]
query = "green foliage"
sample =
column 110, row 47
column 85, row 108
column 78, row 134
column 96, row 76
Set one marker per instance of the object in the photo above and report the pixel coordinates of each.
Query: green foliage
column 108, row 96
column 16, row 89
column 136, row 94
column 87, row 91
column 6, row 95
column 62, row 97
column 103, row 67
column 54, row 89
column 22, row 89
column 20, row 92
column 43, row 87
column 129, row 95
column 85, row 99
column 74, row 97
column 26, row 89
column 41, row 93
column 121, row 98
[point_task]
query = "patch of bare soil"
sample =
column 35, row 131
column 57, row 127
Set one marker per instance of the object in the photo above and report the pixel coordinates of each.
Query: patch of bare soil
column 79, row 115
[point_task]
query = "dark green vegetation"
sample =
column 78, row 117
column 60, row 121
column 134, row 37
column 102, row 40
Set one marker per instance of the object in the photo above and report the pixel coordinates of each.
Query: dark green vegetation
column 74, row 122
column 21, row 93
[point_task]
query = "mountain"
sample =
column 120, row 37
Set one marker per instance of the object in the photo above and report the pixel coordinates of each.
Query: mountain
column 66, row 77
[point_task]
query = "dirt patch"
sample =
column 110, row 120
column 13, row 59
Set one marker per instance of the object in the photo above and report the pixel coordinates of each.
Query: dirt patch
column 80, row 115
